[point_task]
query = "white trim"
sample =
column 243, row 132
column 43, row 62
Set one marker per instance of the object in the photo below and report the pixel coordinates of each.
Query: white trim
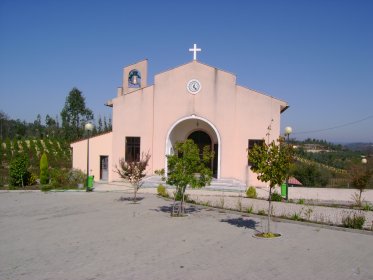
column 192, row 117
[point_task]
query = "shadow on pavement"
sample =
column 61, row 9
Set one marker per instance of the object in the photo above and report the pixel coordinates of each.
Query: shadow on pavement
column 124, row 198
column 240, row 222
column 168, row 209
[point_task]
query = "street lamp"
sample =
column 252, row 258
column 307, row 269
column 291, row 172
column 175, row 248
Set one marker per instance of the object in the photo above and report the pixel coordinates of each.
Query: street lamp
column 288, row 131
column 88, row 127
column 364, row 160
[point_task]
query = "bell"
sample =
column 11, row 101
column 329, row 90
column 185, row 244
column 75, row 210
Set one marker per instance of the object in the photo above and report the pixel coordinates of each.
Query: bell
column 134, row 79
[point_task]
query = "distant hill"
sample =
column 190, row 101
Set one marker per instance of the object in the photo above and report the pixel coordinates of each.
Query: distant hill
column 366, row 148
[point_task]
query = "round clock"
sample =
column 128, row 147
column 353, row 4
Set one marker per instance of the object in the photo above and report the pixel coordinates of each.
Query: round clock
column 194, row 86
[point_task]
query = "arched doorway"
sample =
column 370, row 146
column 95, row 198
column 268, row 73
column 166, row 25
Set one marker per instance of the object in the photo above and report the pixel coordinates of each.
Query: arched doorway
column 202, row 132
column 202, row 139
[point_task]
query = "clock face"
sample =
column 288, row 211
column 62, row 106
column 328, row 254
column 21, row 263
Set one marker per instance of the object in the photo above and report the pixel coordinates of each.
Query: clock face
column 194, row 86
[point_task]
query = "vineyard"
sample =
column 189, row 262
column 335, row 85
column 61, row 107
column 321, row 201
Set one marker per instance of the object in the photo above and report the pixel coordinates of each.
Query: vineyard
column 57, row 151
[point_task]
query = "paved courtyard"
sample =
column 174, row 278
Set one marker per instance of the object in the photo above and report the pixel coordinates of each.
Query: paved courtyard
column 77, row 235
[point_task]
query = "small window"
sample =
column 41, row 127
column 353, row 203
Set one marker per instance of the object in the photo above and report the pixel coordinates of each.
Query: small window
column 132, row 149
column 251, row 144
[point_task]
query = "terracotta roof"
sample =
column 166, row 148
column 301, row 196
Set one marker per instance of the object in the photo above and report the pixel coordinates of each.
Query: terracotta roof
column 294, row 181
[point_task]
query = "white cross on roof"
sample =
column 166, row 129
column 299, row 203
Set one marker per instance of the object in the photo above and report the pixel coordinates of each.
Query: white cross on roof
column 195, row 50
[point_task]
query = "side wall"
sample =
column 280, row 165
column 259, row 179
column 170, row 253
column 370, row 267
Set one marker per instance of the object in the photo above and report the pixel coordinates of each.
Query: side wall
column 98, row 146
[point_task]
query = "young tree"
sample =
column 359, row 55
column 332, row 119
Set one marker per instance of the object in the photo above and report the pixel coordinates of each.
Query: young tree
column 133, row 172
column 44, row 174
column 187, row 168
column 18, row 171
column 99, row 125
column 74, row 115
column 359, row 178
column 272, row 163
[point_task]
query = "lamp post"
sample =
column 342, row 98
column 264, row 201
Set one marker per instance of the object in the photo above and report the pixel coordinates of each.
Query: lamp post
column 288, row 131
column 88, row 127
column 364, row 160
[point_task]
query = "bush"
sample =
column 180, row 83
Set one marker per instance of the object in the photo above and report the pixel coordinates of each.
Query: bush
column 276, row 196
column 18, row 173
column 355, row 221
column 251, row 192
column 44, row 174
column 32, row 179
column 161, row 190
column 66, row 179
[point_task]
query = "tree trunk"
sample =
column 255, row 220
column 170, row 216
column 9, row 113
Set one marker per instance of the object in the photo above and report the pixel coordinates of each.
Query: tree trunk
column 360, row 193
column 174, row 204
column 269, row 210
column 182, row 206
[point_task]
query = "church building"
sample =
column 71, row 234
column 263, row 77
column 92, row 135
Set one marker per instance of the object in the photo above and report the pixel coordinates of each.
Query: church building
column 191, row 101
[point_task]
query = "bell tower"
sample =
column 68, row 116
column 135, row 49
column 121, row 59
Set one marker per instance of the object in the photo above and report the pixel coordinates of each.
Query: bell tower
column 134, row 77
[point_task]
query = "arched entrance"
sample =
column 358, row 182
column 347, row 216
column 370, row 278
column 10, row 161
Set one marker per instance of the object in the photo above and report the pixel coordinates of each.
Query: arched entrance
column 202, row 139
column 202, row 132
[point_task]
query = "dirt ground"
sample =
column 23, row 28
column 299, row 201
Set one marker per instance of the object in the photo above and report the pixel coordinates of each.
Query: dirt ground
column 78, row 235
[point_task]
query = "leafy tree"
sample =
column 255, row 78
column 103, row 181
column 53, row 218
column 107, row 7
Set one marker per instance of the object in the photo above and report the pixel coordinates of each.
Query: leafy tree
column 310, row 175
column 74, row 115
column 359, row 178
column 106, row 128
column 272, row 163
column 15, row 147
column 187, row 168
column 44, row 174
column 1, row 153
column 110, row 125
column 39, row 127
column 18, row 173
column 133, row 172
column 51, row 126
column 8, row 149
column 99, row 126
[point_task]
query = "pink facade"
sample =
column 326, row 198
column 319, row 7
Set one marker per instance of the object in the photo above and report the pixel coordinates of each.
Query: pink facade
column 190, row 101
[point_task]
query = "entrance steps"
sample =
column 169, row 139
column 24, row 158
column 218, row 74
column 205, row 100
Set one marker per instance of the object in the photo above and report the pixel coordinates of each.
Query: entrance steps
column 225, row 184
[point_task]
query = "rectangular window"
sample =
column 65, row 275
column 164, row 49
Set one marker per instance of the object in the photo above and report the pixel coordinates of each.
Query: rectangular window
column 251, row 144
column 132, row 149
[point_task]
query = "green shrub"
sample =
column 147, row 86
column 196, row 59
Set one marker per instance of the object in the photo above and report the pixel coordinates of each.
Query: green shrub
column 251, row 192
column 276, row 196
column 66, row 179
column 367, row 207
column 18, row 173
column 32, row 179
column 77, row 177
column 44, row 174
column 301, row 201
column 355, row 221
column 161, row 190
column 296, row 217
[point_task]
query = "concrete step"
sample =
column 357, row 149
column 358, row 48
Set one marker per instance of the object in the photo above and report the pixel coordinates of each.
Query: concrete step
column 225, row 184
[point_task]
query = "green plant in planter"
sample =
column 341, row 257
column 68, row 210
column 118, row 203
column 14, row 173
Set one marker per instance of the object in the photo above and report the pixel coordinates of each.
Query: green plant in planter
column 251, row 192
column 276, row 196
column 356, row 220
column 161, row 190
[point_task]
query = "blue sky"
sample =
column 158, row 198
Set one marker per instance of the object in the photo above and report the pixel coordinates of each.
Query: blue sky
column 316, row 55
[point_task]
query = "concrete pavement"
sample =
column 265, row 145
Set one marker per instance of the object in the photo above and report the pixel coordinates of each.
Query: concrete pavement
column 98, row 235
